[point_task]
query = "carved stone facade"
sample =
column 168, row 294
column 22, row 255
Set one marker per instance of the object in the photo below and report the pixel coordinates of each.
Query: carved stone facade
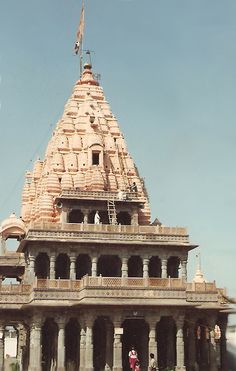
column 94, row 276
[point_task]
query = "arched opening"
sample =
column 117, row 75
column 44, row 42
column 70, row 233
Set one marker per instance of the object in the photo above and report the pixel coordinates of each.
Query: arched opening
column 62, row 267
column 83, row 266
column 109, row 266
column 154, row 267
column 72, row 345
column 103, row 343
column 173, row 267
column 42, row 265
column 49, row 345
column 102, row 214
column 166, row 340
column 76, row 216
column 202, row 344
column 11, row 339
column 136, row 335
column 124, row 218
column 135, row 266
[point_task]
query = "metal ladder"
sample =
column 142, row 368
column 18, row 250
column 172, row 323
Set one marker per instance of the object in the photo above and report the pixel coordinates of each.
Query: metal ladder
column 111, row 209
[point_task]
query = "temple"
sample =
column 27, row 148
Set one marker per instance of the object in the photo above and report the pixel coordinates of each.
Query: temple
column 94, row 275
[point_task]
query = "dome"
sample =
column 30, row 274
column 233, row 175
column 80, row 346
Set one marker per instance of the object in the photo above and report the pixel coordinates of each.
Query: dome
column 13, row 225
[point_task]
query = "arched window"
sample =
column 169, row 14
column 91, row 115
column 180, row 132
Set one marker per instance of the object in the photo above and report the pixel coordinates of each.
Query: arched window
column 154, row 267
column 62, row 267
column 124, row 218
column 42, row 265
column 83, row 266
column 135, row 266
column 109, row 266
column 173, row 267
column 76, row 216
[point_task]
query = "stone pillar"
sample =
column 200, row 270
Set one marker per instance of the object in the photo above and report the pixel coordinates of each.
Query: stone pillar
column 109, row 344
column 184, row 269
column 117, row 346
column 61, row 345
column 223, row 340
column 82, row 348
column 191, row 346
column 52, row 266
column 86, row 214
column 145, row 268
column 212, row 345
column 134, row 218
column 180, row 345
column 164, row 268
column 124, row 267
column 3, row 246
column 94, row 266
column 2, row 328
column 89, row 344
column 31, row 267
column 72, row 267
column 64, row 216
column 35, row 345
column 152, row 343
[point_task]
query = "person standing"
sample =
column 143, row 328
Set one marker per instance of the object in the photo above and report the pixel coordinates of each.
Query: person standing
column 152, row 363
column 133, row 356
column 96, row 218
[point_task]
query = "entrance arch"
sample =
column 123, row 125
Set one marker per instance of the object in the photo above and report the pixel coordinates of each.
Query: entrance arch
column 49, row 345
column 135, row 334
column 72, row 345
column 166, row 334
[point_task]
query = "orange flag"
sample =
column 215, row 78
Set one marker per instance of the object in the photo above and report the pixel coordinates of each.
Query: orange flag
column 80, row 31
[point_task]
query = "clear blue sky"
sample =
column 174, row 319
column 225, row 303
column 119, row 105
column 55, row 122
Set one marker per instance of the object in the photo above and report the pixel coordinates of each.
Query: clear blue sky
column 169, row 72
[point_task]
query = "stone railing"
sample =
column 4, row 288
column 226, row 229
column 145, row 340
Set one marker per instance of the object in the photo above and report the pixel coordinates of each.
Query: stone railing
column 100, row 195
column 110, row 233
column 90, row 289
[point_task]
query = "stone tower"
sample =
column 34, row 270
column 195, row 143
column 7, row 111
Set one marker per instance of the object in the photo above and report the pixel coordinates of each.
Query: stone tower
column 95, row 276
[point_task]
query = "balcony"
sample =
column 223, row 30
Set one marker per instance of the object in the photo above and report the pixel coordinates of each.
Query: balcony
column 122, row 234
column 101, row 195
column 110, row 291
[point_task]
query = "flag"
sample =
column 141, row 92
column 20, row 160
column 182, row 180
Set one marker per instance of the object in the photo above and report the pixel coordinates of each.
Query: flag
column 80, row 32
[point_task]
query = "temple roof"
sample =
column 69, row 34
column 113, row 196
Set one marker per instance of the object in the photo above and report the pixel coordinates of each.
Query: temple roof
column 86, row 152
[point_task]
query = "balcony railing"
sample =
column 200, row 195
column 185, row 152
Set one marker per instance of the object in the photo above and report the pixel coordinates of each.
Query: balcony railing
column 109, row 233
column 101, row 195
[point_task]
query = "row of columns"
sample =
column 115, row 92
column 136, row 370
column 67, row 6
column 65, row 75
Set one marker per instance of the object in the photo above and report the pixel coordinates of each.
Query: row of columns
column 124, row 267
column 113, row 346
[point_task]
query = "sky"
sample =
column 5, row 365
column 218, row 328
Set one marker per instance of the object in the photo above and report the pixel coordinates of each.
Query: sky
column 168, row 69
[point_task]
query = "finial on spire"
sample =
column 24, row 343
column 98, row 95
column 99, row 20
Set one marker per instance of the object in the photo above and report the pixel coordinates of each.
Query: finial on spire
column 199, row 275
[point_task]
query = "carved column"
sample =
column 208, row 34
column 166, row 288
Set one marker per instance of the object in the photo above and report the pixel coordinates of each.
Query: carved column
column 72, row 267
column 86, row 214
column 61, row 345
column 145, row 267
column 152, row 343
column 52, row 266
column 31, row 267
column 94, row 266
column 212, row 345
column 82, row 348
column 134, row 218
column 89, row 344
column 35, row 345
column 64, row 216
column 223, row 340
column 124, row 267
column 164, row 268
column 109, row 344
column 117, row 345
column 2, row 328
column 180, row 345
column 184, row 269
column 191, row 346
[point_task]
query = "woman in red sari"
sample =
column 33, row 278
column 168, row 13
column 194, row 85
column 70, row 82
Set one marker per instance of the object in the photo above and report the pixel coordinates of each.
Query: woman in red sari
column 133, row 356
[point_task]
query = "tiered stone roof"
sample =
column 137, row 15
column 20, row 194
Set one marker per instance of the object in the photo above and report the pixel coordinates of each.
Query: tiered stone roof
column 87, row 126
